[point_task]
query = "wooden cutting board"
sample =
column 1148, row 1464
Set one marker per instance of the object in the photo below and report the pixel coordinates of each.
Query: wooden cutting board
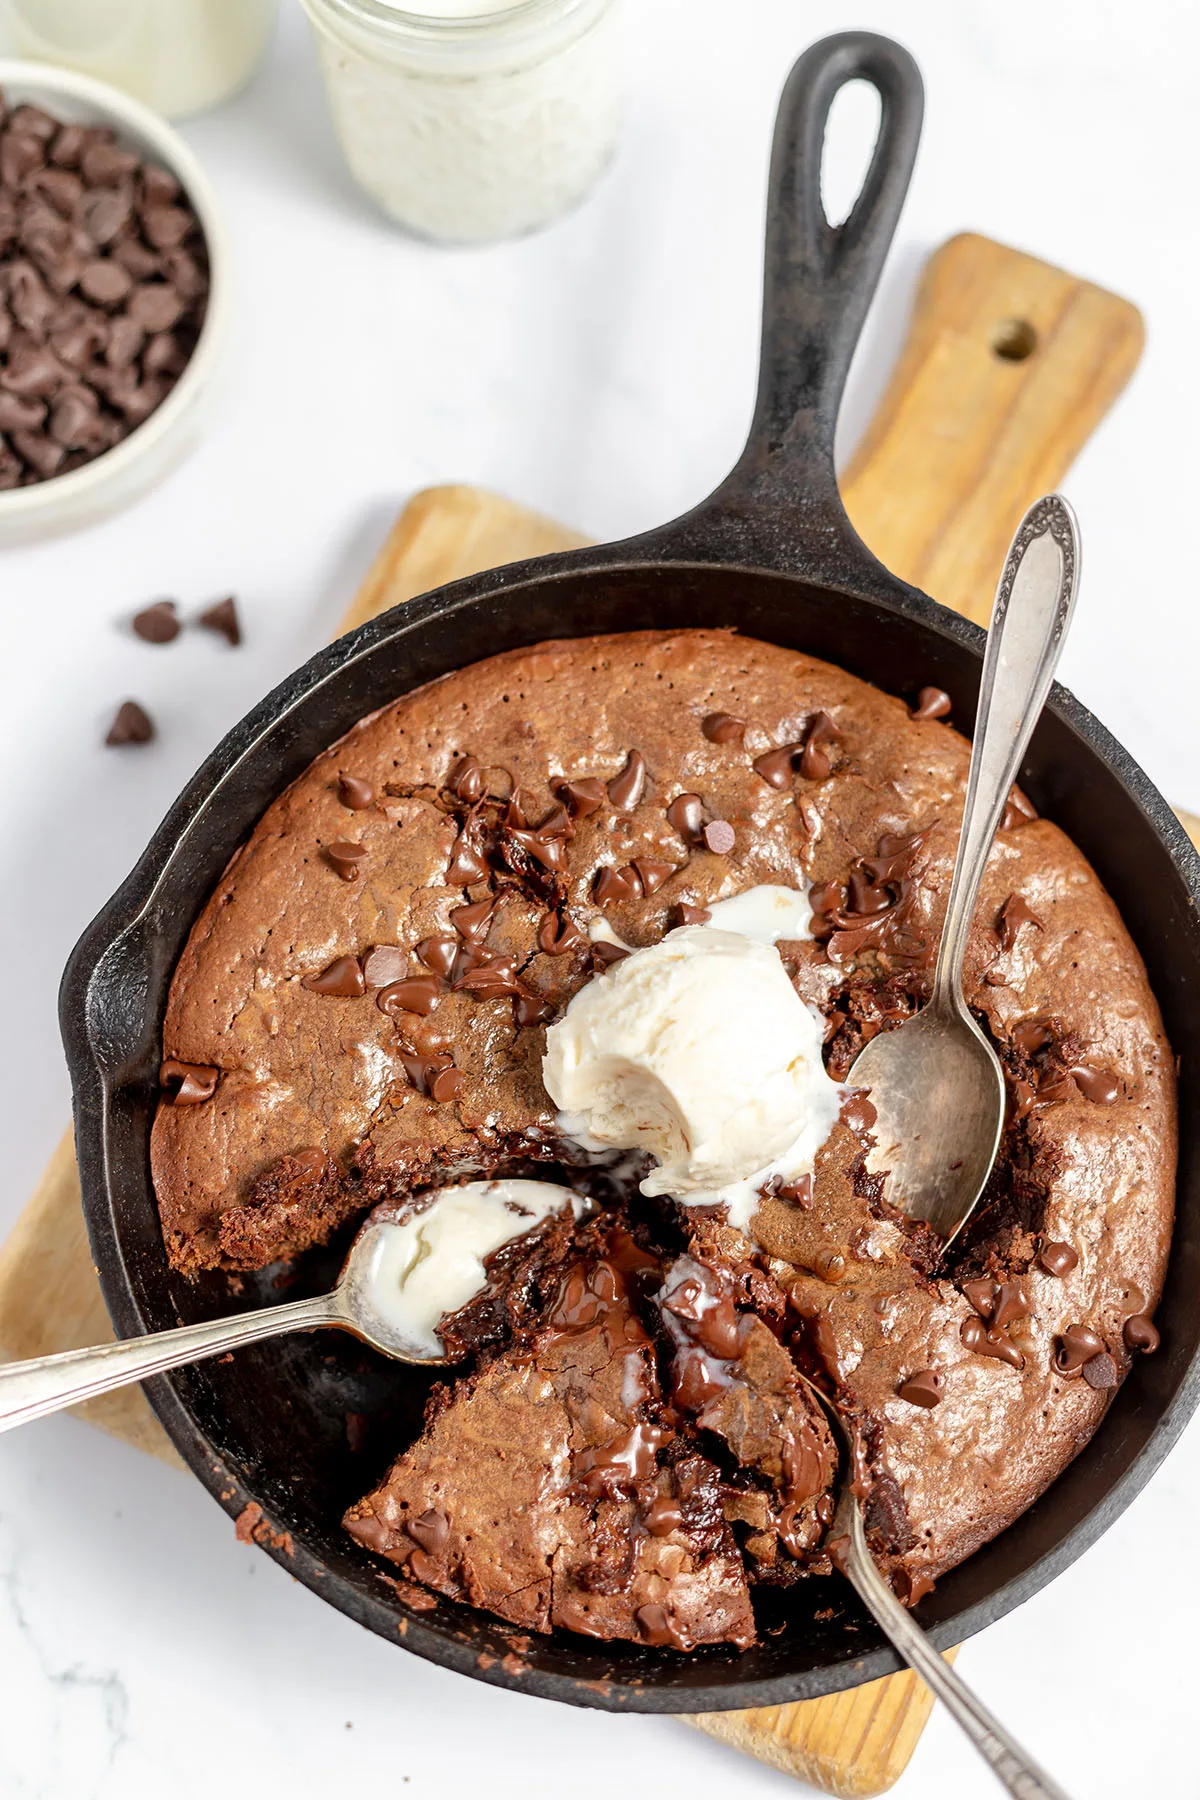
column 1008, row 367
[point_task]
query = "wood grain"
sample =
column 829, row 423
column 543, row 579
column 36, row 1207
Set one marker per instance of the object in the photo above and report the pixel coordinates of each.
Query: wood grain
column 965, row 437
column 963, row 442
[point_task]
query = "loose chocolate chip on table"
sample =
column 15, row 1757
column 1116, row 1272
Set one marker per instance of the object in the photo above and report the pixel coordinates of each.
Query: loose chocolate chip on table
column 223, row 617
column 187, row 1084
column 386, row 963
column 723, row 728
column 626, row 788
column 932, row 703
column 346, row 858
column 1058, row 1258
column 157, row 624
column 132, row 725
column 1096, row 1085
column 1100, row 1371
column 1141, row 1334
column 581, row 797
column 690, row 915
column 418, row 994
column 353, row 793
column 922, row 1389
column 720, row 836
column 343, row 978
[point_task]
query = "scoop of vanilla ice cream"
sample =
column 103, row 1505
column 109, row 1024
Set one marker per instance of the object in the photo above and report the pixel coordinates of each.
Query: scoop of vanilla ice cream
column 699, row 1051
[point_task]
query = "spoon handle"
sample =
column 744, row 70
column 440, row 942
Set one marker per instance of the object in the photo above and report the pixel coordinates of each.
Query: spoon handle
column 1032, row 610
column 1013, row 1767
column 30, row 1390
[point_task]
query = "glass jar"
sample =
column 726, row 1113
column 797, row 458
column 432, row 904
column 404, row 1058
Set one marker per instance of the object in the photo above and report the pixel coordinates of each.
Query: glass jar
column 485, row 121
column 177, row 56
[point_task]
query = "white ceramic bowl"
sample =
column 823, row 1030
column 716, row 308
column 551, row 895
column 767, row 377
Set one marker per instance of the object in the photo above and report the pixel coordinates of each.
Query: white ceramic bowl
column 154, row 447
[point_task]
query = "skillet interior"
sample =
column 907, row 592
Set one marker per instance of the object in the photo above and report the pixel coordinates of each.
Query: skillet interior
column 271, row 1425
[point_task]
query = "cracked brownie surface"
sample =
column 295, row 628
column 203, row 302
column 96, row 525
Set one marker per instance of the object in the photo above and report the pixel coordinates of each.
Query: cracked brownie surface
column 360, row 1013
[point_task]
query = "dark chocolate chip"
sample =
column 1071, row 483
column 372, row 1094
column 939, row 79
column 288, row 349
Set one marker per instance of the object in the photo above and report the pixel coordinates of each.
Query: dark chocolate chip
column 187, row 1084
column 346, row 858
column 355, row 794
column 467, row 861
column 1030, row 1036
column 223, row 617
column 922, row 1389
column 1017, row 811
column 157, row 624
column 932, row 703
column 1100, row 1371
column 384, row 964
column 343, row 978
column 558, row 936
column 614, row 885
column 445, row 1083
column 531, row 1009
column 438, row 953
column 977, row 1337
column 1141, row 1334
column 690, row 915
column 1013, row 914
column 775, row 766
column 465, row 780
column 626, row 788
column 605, row 956
column 430, row 1529
column 686, row 816
column 1077, row 1345
column 720, row 836
column 132, row 725
column 822, row 735
column 1096, row 1085
column 723, row 728
column 1058, row 1258
column 652, row 874
column 493, row 979
column 582, row 797
column 417, row 994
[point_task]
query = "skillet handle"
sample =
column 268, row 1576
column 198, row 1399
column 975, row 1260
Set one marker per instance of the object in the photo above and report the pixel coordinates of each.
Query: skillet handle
column 780, row 506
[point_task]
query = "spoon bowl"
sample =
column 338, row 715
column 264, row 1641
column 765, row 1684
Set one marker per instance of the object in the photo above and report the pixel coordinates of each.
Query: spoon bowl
column 936, row 1082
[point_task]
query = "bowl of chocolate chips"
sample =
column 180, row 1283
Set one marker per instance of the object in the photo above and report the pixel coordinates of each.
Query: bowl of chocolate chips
column 112, row 298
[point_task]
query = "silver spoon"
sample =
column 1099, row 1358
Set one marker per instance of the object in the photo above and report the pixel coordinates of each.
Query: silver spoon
column 936, row 1083
column 847, row 1542
column 30, row 1390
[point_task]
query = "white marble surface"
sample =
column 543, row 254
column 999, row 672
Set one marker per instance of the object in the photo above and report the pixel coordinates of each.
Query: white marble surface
column 603, row 372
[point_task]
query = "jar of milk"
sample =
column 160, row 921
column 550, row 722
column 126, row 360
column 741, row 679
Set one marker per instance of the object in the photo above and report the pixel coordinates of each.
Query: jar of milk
column 177, row 56
column 472, row 120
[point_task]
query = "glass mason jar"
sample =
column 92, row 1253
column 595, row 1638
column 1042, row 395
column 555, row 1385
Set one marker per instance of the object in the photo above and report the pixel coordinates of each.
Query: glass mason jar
column 482, row 122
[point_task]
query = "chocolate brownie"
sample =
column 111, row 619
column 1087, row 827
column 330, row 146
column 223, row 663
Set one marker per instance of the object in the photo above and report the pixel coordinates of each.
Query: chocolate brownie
column 360, row 1013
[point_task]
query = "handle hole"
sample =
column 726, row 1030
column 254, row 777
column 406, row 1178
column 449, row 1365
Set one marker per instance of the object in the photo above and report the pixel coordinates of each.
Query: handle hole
column 1013, row 340
column 851, row 133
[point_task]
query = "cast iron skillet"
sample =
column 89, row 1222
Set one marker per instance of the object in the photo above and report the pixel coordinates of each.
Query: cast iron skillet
column 772, row 553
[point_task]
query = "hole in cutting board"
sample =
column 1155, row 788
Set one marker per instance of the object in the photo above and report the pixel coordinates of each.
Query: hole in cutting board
column 851, row 132
column 1013, row 340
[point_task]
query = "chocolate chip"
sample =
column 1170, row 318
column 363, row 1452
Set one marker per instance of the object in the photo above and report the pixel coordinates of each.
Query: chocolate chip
column 977, row 1337
column 417, row 994
column 467, row 861
column 158, row 186
column 858, row 1110
column 1030, row 1036
column 605, row 956
column 626, row 788
column 103, row 164
column 494, row 978
column 132, row 725
column 922, row 1389
column 346, row 858
column 18, row 414
column 531, row 1009
column 720, row 836
column 1094, row 1084
column 684, row 914
column 932, row 703
column 430, row 1529
column 32, row 371
column 187, row 1084
column 550, row 852
column 723, row 728
column 386, row 963
column 614, row 885
column 822, row 735
column 981, row 1294
column 1013, row 914
column 472, row 921
column 437, row 953
column 1077, row 1345
column 223, row 618
column 104, row 213
column 465, row 780
column 1058, row 1258
column 155, row 306
column 558, row 936
column 1141, row 1334
column 433, row 1075
column 105, row 282
column 1017, row 811
column 158, row 623
column 34, row 122
column 686, row 816
column 775, row 766
column 343, row 978
column 1011, row 1303
column 651, row 873
column 1100, row 1371
column 353, row 793
column 581, row 797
